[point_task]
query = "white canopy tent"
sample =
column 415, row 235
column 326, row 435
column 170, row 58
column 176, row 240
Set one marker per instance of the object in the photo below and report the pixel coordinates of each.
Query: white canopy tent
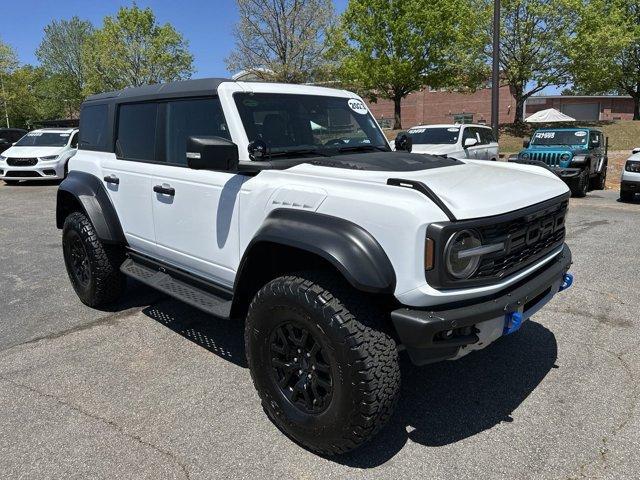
column 549, row 116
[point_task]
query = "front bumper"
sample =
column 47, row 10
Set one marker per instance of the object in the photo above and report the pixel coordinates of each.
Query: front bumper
column 421, row 331
column 43, row 170
column 630, row 186
column 567, row 174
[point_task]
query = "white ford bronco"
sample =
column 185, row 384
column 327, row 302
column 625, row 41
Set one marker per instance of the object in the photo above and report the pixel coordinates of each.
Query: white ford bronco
column 283, row 206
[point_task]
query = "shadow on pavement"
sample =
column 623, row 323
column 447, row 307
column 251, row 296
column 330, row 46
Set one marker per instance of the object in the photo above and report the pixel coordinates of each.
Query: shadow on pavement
column 439, row 404
column 447, row 402
column 222, row 337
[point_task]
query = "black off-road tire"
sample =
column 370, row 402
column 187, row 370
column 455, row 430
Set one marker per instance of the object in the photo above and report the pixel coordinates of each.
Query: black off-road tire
column 600, row 180
column 363, row 361
column 626, row 196
column 96, row 277
column 581, row 187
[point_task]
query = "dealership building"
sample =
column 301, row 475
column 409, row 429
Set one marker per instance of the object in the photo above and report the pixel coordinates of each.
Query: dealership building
column 432, row 106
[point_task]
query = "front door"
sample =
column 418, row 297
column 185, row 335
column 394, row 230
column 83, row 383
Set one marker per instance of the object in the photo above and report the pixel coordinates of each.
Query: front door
column 195, row 211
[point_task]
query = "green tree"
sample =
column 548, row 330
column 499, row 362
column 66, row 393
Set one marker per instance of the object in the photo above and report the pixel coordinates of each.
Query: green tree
column 281, row 40
column 8, row 62
column 534, row 36
column 391, row 48
column 60, row 54
column 605, row 53
column 131, row 49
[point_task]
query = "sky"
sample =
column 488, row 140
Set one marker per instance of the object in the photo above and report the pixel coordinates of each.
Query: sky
column 206, row 24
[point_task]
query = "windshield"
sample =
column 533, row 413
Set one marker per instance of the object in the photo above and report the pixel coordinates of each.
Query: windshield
column 561, row 137
column 43, row 139
column 434, row 136
column 313, row 124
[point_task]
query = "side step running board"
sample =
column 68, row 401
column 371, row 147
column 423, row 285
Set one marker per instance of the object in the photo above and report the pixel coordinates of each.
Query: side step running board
column 192, row 295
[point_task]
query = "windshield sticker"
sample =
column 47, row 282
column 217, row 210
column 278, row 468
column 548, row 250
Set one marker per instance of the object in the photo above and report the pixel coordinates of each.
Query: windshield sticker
column 64, row 134
column 34, row 134
column 358, row 106
column 581, row 134
column 415, row 131
column 249, row 102
column 549, row 135
column 453, row 130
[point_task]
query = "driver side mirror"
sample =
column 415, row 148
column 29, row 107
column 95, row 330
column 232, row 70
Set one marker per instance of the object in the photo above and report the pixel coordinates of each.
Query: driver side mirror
column 212, row 153
column 526, row 142
column 595, row 144
column 470, row 142
column 404, row 142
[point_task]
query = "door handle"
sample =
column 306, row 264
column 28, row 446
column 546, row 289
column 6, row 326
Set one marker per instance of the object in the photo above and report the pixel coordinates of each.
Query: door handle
column 112, row 179
column 161, row 189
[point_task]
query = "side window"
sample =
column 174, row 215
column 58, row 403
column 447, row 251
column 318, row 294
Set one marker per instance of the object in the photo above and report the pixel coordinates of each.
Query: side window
column 93, row 127
column 471, row 132
column 136, row 138
column 487, row 136
column 187, row 118
column 74, row 141
column 596, row 138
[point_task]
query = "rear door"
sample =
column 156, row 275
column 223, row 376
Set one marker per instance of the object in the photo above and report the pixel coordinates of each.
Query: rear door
column 195, row 211
column 127, row 175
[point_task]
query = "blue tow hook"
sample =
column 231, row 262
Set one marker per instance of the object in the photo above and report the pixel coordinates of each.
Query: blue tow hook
column 512, row 323
column 567, row 282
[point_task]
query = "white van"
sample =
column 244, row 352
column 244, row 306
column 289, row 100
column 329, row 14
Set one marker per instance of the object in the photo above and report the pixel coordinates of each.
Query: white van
column 475, row 142
column 41, row 154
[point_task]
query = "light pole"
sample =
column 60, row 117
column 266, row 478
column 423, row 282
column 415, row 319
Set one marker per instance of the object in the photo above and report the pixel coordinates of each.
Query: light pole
column 495, row 85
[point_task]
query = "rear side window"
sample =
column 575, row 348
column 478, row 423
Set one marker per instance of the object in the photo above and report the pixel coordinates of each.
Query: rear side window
column 185, row 118
column 136, row 138
column 93, row 127
column 486, row 135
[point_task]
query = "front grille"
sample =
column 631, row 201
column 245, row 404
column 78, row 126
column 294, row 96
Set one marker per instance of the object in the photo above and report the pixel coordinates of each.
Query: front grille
column 528, row 235
column 551, row 159
column 18, row 174
column 22, row 162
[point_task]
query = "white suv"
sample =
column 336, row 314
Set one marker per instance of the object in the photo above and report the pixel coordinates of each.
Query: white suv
column 475, row 142
column 630, row 183
column 284, row 206
column 40, row 155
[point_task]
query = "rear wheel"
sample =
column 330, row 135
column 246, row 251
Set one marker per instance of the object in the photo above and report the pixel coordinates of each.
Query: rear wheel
column 93, row 268
column 581, row 188
column 600, row 182
column 626, row 196
column 326, row 375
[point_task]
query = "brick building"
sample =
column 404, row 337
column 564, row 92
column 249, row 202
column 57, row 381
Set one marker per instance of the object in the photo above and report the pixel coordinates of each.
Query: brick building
column 584, row 108
column 429, row 106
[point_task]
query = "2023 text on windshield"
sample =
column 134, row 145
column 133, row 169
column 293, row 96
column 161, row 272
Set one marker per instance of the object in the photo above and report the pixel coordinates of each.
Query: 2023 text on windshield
column 44, row 139
column 560, row 137
column 309, row 123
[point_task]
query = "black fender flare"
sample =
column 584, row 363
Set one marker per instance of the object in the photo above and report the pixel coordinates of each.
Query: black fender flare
column 353, row 251
column 88, row 191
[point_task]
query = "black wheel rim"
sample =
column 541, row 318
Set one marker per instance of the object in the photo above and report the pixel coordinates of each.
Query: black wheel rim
column 300, row 368
column 78, row 260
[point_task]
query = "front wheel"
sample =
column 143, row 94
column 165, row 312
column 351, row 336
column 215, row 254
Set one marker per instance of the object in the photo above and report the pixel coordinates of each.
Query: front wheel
column 581, row 188
column 326, row 375
column 93, row 268
column 626, row 196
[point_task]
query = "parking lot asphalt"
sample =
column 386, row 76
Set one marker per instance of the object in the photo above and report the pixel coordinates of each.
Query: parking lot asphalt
column 155, row 389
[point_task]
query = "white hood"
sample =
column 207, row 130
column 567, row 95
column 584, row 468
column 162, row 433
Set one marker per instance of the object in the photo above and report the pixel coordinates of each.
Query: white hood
column 474, row 189
column 31, row 152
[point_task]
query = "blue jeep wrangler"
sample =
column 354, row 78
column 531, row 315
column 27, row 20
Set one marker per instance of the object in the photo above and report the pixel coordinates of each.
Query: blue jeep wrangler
column 577, row 155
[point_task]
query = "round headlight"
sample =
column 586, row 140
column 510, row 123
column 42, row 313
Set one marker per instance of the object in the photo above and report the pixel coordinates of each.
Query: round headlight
column 525, row 156
column 564, row 157
column 459, row 265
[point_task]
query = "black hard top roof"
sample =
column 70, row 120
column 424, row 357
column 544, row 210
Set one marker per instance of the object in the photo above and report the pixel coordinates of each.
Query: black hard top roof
column 184, row 88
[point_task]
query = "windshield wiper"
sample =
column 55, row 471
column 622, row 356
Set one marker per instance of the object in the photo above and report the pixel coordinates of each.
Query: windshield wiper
column 363, row 148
